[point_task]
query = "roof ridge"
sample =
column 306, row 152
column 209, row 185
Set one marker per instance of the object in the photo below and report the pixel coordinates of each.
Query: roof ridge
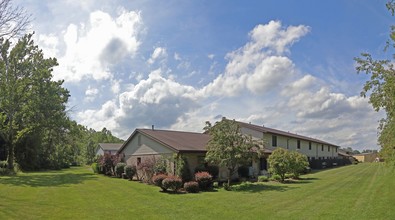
column 149, row 129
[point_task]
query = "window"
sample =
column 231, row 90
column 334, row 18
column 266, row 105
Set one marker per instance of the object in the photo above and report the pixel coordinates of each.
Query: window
column 298, row 144
column 329, row 148
column 274, row 141
column 309, row 145
column 322, row 147
column 138, row 160
column 336, row 149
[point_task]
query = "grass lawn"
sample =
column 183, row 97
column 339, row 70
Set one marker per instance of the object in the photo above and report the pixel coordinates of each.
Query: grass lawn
column 364, row 191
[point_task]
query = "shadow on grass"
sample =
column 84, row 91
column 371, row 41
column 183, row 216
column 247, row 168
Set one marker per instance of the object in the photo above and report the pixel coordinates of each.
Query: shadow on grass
column 254, row 187
column 182, row 192
column 300, row 180
column 47, row 180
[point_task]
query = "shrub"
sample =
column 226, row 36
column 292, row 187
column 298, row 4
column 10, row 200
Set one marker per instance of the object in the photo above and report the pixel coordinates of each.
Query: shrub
column 182, row 168
column 204, row 180
column 119, row 168
column 130, row 171
column 243, row 186
column 172, row 182
column 279, row 162
column 263, row 178
column 227, row 187
column 158, row 179
column 3, row 164
column 95, row 167
column 191, row 187
column 146, row 168
column 243, row 171
column 298, row 164
column 211, row 169
column 277, row 178
column 160, row 166
column 108, row 163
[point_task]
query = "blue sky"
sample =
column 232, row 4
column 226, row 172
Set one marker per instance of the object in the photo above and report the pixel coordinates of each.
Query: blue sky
column 176, row 64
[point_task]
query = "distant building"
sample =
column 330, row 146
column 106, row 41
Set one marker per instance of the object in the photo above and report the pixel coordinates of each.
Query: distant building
column 110, row 148
column 366, row 157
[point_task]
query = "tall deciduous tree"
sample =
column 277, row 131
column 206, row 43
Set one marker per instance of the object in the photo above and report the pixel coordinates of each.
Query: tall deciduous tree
column 381, row 87
column 13, row 19
column 228, row 147
column 30, row 102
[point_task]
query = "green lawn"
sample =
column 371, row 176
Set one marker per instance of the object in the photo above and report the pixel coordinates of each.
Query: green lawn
column 364, row 191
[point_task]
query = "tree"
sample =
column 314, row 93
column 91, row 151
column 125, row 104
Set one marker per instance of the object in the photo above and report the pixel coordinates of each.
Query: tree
column 228, row 147
column 381, row 87
column 298, row 163
column 32, row 106
column 279, row 162
column 13, row 20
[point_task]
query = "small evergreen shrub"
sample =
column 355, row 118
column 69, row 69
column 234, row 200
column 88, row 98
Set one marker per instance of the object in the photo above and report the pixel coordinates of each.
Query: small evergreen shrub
column 95, row 167
column 158, row 179
column 173, row 183
column 191, row 187
column 263, row 178
column 227, row 187
column 119, row 168
column 204, row 180
column 130, row 171
column 243, row 171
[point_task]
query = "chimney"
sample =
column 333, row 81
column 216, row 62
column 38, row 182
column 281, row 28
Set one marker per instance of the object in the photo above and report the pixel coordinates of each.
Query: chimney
column 153, row 127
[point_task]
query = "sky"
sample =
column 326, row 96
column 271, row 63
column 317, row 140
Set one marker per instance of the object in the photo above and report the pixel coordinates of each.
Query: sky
column 175, row 64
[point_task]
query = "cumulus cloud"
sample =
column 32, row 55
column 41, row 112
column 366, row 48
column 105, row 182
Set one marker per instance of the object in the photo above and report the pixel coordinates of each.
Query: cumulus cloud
column 158, row 53
column 260, row 65
column 92, row 48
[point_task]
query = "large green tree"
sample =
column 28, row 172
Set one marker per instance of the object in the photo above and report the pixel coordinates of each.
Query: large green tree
column 32, row 106
column 228, row 147
column 381, row 88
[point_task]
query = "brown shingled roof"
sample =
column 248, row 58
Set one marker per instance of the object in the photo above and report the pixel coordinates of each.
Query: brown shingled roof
column 179, row 141
column 283, row 133
column 110, row 146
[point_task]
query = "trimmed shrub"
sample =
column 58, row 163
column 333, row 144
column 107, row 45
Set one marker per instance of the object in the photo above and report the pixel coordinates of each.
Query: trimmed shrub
column 204, row 180
column 263, row 178
column 243, row 171
column 119, row 168
column 211, row 169
column 191, row 187
column 130, row 171
column 158, row 179
column 95, row 167
column 160, row 166
column 172, row 182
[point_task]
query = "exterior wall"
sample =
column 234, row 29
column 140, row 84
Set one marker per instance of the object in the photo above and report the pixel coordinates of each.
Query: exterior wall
column 366, row 157
column 99, row 151
column 290, row 143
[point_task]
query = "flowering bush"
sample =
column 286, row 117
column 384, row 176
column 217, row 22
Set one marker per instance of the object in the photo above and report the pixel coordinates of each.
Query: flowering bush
column 107, row 162
column 158, row 179
column 172, row 182
column 191, row 187
column 204, row 180
column 146, row 169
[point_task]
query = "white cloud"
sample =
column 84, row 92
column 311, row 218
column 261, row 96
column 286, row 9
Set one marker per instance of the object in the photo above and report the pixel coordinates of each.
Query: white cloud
column 92, row 48
column 158, row 53
column 259, row 65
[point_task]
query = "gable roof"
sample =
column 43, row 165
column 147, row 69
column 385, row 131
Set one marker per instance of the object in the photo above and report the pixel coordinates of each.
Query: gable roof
column 110, row 146
column 282, row 133
column 179, row 141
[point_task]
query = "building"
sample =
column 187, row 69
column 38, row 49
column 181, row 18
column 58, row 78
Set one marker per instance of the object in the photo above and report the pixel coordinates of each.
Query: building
column 320, row 153
column 110, row 148
column 366, row 157
column 148, row 144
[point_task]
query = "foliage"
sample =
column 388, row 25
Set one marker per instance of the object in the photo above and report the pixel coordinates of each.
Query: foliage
column 263, row 178
column 242, row 186
column 146, row 169
column 108, row 163
column 243, row 171
column 279, row 162
column 228, row 147
column 119, row 169
column 298, row 164
column 277, row 178
column 204, row 180
column 182, row 168
column 160, row 166
column 173, row 183
column 211, row 169
column 158, row 179
column 130, row 171
column 95, row 167
column 381, row 88
column 191, row 187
